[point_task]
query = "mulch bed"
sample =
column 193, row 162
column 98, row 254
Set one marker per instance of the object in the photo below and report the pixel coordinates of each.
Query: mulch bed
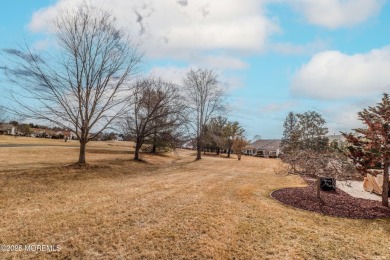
column 333, row 203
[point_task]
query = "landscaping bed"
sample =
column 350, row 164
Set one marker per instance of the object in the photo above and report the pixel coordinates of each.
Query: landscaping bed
column 333, row 203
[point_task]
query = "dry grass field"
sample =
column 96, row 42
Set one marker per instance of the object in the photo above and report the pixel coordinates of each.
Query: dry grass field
column 26, row 153
column 167, row 208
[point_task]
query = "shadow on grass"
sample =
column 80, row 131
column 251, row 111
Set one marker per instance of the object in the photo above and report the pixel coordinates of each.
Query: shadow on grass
column 108, row 151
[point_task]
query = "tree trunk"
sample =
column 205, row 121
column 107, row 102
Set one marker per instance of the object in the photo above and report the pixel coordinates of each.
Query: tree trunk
column 137, row 149
column 198, row 149
column 83, row 145
column 218, row 151
column 154, row 141
column 385, row 187
column 318, row 187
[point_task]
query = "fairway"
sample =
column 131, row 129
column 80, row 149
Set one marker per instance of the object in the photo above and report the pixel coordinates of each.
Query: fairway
column 170, row 207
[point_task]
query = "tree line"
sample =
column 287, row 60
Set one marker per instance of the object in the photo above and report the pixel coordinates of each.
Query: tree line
column 91, row 82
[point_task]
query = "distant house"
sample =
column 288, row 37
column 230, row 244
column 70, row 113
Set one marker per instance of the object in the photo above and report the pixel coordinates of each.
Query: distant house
column 116, row 137
column 37, row 132
column 49, row 133
column 70, row 135
column 58, row 135
column 188, row 145
column 7, row 129
column 268, row 148
column 336, row 140
column 41, row 132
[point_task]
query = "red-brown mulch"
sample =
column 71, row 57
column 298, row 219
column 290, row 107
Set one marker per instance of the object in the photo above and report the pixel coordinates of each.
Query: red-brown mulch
column 333, row 203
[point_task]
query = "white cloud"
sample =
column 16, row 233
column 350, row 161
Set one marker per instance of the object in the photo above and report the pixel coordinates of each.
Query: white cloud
column 43, row 44
column 337, row 13
column 168, row 27
column 170, row 73
column 343, row 117
column 176, row 75
column 220, row 62
column 279, row 107
column 288, row 48
column 333, row 75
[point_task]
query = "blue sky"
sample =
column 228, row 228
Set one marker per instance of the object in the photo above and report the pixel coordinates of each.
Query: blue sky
column 273, row 56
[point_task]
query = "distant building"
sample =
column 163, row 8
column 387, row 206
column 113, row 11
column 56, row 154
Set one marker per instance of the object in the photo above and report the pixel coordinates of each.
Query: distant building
column 268, row 148
column 188, row 145
column 336, row 140
column 37, row 132
column 70, row 135
column 7, row 129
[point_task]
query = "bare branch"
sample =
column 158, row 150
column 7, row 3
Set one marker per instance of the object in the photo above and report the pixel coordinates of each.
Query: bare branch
column 204, row 99
column 82, row 86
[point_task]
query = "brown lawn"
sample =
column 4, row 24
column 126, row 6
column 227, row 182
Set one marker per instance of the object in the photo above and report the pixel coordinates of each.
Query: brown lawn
column 27, row 153
column 168, row 208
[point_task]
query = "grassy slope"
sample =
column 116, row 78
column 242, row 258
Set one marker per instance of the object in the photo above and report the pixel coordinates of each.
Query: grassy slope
column 54, row 152
column 174, row 208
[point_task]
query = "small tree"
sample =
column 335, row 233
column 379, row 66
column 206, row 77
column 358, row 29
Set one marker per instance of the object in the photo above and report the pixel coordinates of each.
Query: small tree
column 204, row 99
column 232, row 130
column 290, row 139
column 256, row 138
column 239, row 144
column 24, row 129
column 370, row 146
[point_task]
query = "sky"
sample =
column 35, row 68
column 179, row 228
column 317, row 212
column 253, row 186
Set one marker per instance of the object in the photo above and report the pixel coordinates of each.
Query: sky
column 272, row 56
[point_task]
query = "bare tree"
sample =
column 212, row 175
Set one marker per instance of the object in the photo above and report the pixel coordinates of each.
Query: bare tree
column 256, row 138
column 157, row 106
column 82, row 85
column 204, row 98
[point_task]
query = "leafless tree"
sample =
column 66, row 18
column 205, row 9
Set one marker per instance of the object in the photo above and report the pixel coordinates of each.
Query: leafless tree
column 157, row 106
column 82, row 84
column 256, row 138
column 204, row 99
